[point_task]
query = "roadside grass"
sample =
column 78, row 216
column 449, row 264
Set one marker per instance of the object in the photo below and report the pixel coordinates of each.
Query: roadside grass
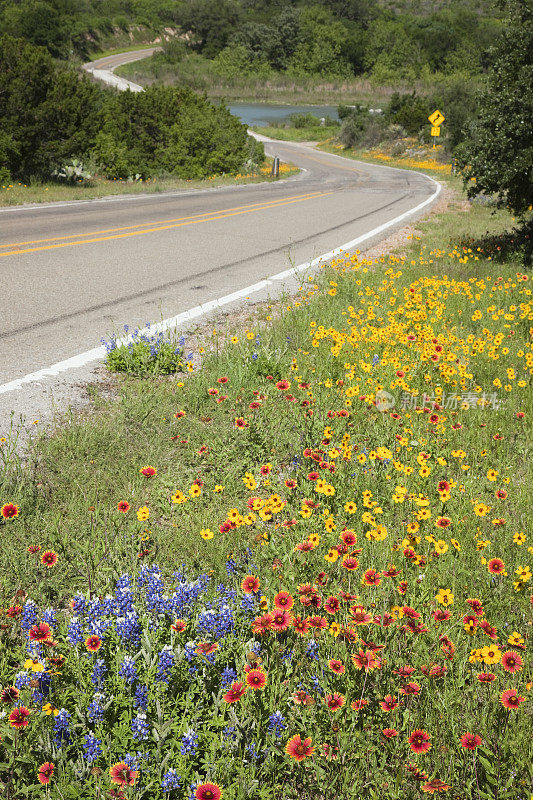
column 433, row 162
column 18, row 193
column 355, row 461
column 311, row 133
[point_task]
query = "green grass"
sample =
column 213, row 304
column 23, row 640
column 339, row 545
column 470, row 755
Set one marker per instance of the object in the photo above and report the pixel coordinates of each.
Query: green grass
column 18, row 194
column 300, row 384
column 313, row 133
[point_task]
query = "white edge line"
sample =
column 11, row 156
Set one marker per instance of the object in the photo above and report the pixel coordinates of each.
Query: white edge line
column 98, row 353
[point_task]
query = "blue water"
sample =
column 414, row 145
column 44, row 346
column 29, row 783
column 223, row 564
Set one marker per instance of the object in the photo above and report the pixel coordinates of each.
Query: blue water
column 266, row 114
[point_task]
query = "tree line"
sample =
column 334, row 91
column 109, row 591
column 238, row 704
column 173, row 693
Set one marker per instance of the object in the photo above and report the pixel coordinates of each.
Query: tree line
column 320, row 37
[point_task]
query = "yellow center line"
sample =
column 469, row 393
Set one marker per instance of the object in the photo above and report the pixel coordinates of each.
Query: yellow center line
column 332, row 164
column 159, row 221
column 163, row 227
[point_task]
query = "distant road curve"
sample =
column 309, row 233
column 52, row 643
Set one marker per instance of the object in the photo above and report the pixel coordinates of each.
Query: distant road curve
column 103, row 68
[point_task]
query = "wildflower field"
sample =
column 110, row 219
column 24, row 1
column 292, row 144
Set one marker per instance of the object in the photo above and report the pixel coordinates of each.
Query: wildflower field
column 301, row 571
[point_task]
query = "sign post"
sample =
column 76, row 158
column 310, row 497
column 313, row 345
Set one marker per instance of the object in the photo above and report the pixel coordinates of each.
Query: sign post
column 436, row 119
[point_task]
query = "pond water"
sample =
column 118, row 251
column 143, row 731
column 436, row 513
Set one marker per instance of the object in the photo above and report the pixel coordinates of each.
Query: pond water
column 267, row 114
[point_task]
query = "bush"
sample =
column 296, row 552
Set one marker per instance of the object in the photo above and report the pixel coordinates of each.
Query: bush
column 145, row 354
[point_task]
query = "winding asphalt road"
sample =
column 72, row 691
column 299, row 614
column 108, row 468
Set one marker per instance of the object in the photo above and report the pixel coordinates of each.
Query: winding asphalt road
column 72, row 272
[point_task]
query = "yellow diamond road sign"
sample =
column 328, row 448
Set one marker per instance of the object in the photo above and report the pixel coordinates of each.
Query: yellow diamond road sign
column 435, row 130
column 437, row 118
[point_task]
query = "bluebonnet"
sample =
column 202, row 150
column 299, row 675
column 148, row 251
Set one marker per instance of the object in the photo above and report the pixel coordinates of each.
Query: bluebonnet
column 232, row 568
column 98, row 673
column 375, row 359
column 22, row 679
column 77, row 604
column 311, row 651
column 139, row 727
column 252, row 750
column 141, row 697
column 91, row 747
column 228, row 676
column 95, row 710
column 75, row 633
column 29, row 615
column 248, row 603
column 132, row 760
column 171, row 780
column 217, row 623
column 287, row 655
column 128, row 670
column 61, row 728
column 276, row 724
column 128, row 627
column 165, row 664
column 49, row 616
column 230, row 733
column 256, row 648
column 189, row 743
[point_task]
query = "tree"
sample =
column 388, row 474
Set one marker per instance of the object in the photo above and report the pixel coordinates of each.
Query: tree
column 496, row 157
column 211, row 23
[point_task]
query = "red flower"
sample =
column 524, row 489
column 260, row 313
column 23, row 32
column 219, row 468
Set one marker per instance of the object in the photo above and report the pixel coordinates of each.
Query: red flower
column 332, row 605
column 34, row 548
column 335, row 701
column 301, row 625
column 19, row 717
column 486, row 677
column 443, row 522
column 250, row 584
column 9, row 695
column 443, row 486
column 222, row 380
column 256, row 679
column 350, row 563
column 388, row 703
column 45, row 773
column 123, row 506
column 511, row 661
column 470, row 740
column 435, row 785
column 122, row 775
column 496, row 566
column 240, row 422
column 208, row 791
column 49, row 558
column 419, row 741
column 148, row 472
column 93, row 643
column 206, row 648
column 476, row 606
column 336, row 666
column 389, row 733
column 283, row 385
column 40, row 632
column 281, row 620
column 364, row 659
column 349, row 537
column 179, row 626
column 441, row 614
column 284, row 600
column 235, row 692
column 9, row 511
column 372, row 578
column 511, row 699
column 299, row 749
